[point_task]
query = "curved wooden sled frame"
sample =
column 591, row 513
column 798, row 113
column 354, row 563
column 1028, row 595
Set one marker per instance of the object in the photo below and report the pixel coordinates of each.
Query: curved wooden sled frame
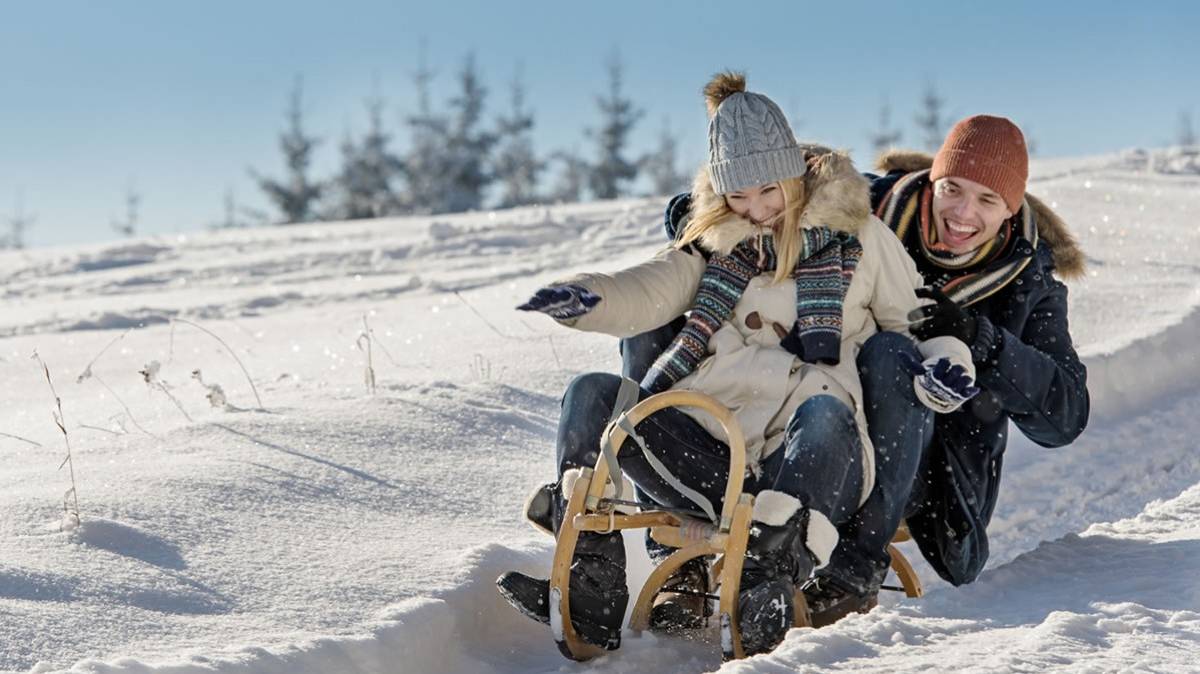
column 587, row 511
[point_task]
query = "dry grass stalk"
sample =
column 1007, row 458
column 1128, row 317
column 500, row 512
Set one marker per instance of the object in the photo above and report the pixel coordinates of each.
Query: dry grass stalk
column 150, row 375
column 481, row 367
column 481, row 317
column 88, row 374
column 366, row 337
column 128, row 412
column 87, row 371
column 71, row 517
column 35, row 443
column 215, row 395
column 231, row 353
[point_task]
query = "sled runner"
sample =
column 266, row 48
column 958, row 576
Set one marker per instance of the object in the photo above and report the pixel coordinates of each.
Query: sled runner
column 587, row 509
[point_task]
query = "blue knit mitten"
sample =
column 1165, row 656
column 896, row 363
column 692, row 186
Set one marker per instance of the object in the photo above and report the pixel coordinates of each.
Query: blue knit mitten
column 561, row 302
column 948, row 386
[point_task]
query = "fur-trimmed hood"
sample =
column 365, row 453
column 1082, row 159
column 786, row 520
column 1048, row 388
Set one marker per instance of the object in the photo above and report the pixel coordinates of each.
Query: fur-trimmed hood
column 1068, row 256
column 839, row 198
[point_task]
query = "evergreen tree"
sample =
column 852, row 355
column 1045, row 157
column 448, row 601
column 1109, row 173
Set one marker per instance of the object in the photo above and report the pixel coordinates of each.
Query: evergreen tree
column 365, row 184
column 661, row 165
column 572, row 179
column 231, row 218
column 1187, row 135
column 929, row 120
column 18, row 223
column 295, row 196
column 517, row 167
column 128, row 226
column 468, row 148
column 424, row 166
column 612, row 171
column 885, row 136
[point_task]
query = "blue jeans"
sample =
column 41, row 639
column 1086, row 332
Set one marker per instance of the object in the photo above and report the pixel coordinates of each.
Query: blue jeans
column 820, row 462
column 901, row 429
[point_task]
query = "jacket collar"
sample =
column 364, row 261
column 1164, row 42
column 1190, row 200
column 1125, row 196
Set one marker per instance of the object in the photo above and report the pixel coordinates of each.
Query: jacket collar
column 838, row 199
column 1069, row 260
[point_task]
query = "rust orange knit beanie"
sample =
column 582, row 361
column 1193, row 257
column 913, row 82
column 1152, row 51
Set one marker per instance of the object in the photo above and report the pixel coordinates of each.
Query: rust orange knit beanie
column 987, row 150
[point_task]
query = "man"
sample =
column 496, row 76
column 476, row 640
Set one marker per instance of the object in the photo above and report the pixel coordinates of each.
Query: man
column 989, row 253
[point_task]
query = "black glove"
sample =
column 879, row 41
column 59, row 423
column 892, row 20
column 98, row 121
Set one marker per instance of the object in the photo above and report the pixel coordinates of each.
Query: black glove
column 942, row 319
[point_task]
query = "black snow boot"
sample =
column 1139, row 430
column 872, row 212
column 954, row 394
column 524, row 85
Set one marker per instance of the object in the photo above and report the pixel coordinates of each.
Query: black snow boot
column 544, row 507
column 598, row 596
column 683, row 603
column 529, row 595
column 777, row 562
column 830, row 599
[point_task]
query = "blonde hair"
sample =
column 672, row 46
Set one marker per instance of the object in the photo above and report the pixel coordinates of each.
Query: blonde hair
column 709, row 210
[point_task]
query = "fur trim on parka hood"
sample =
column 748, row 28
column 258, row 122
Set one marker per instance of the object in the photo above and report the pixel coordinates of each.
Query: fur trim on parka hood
column 839, row 198
column 1068, row 256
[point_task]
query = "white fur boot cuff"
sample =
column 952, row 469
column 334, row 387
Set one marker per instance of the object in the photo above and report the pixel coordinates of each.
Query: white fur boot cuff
column 822, row 537
column 572, row 475
column 775, row 508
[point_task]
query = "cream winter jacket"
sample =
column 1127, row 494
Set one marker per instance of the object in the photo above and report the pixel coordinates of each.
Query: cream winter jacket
column 746, row 369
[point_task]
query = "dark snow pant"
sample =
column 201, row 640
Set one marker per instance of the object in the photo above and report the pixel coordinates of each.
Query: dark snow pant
column 900, row 427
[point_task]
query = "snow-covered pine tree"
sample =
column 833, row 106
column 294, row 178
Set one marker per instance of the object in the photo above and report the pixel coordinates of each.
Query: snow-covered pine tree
column 572, row 177
column 884, row 136
column 516, row 166
column 468, row 147
column 612, row 172
column 295, row 196
column 929, row 119
column 661, row 165
column 365, row 184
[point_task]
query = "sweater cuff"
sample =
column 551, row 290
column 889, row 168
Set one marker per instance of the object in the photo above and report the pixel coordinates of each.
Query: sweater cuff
column 987, row 341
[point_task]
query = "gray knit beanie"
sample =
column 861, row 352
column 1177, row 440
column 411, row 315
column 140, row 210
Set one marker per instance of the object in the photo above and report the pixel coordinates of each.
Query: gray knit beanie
column 749, row 140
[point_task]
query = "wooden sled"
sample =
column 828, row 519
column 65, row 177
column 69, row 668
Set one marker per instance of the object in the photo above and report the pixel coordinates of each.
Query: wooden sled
column 588, row 510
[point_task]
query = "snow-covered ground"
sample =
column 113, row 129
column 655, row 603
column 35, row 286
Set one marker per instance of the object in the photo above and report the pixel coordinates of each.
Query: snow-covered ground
column 336, row 531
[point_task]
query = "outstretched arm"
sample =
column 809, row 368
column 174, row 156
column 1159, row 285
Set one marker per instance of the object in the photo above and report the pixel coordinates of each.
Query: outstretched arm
column 637, row 299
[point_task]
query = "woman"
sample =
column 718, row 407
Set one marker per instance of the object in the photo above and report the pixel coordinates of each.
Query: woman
column 785, row 274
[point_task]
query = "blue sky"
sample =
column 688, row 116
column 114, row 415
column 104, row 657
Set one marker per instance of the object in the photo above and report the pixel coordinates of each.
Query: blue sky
column 179, row 99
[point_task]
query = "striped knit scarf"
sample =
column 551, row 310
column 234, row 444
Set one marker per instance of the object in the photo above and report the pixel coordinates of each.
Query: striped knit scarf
column 966, row 278
column 822, row 275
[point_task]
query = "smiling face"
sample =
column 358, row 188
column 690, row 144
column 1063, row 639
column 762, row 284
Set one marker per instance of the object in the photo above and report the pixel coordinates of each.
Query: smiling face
column 761, row 205
column 966, row 214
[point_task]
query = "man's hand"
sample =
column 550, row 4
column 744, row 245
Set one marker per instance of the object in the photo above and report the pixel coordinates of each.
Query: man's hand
column 944, row 318
column 561, row 302
column 946, row 386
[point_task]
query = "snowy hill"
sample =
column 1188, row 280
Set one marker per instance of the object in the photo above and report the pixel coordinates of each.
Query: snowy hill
column 336, row 531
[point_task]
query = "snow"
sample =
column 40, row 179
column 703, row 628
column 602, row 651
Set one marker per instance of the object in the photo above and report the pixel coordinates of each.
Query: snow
column 335, row 531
